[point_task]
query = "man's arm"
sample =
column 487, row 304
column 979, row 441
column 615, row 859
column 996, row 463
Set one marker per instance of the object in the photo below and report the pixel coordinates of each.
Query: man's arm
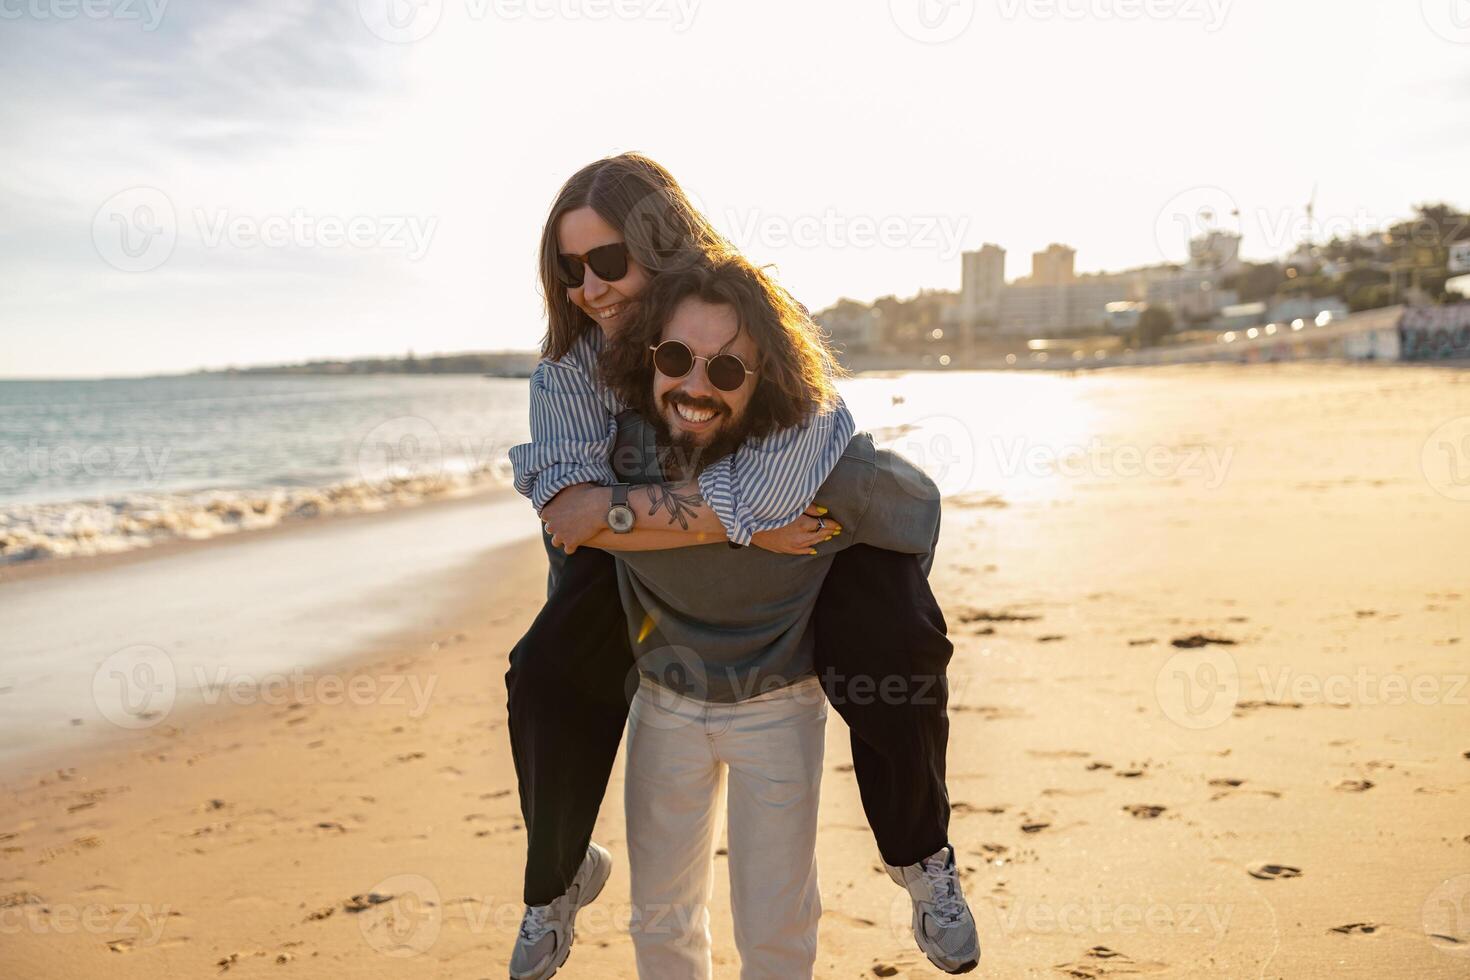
column 666, row 515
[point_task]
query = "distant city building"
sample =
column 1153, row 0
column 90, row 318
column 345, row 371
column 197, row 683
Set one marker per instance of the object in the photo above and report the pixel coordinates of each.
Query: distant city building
column 982, row 280
column 1053, row 267
column 1217, row 250
column 852, row 326
column 1054, row 300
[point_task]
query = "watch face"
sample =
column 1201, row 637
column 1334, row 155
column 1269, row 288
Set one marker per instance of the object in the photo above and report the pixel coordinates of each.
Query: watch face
column 620, row 518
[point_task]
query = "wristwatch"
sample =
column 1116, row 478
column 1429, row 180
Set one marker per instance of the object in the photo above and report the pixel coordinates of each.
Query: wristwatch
column 620, row 516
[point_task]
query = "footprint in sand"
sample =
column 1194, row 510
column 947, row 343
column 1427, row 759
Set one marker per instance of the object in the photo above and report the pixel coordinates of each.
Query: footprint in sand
column 1102, row 961
column 1144, row 811
column 1355, row 785
column 1196, row 640
column 1267, row 871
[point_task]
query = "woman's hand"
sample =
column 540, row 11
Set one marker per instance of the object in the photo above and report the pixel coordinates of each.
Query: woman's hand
column 575, row 515
column 798, row 537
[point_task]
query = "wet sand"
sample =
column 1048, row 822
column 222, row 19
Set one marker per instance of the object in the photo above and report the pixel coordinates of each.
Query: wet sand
column 1209, row 718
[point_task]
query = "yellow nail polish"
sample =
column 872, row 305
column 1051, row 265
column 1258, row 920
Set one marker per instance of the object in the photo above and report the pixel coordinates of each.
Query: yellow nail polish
column 836, row 532
column 811, row 551
column 821, row 510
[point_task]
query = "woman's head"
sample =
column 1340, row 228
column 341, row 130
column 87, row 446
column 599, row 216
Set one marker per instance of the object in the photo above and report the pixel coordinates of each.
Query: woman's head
column 634, row 205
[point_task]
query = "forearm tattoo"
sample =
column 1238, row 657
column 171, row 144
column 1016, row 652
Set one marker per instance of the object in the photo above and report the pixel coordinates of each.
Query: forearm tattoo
column 681, row 505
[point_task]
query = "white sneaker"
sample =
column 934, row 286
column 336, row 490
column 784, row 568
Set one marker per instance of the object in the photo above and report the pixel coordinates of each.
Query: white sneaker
column 547, row 931
column 943, row 925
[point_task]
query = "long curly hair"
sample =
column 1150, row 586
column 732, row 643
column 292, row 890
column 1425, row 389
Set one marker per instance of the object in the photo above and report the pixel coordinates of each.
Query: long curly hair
column 643, row 201
column 795, row 376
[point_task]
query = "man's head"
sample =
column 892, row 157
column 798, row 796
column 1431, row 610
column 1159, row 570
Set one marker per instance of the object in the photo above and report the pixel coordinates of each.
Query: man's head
column 706, row 407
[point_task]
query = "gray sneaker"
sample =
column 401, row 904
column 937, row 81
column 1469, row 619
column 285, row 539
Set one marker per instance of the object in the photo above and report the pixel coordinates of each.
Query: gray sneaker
column 943, row 925
column 547, row 931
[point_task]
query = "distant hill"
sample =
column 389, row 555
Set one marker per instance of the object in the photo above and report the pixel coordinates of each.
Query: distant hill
column 499, row 364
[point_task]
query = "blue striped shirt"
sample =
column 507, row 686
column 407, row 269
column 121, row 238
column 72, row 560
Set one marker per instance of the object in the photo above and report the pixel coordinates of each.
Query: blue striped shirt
column 765, row 484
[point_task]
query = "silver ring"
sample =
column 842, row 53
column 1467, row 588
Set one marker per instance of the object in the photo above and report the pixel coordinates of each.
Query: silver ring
column 821, row 524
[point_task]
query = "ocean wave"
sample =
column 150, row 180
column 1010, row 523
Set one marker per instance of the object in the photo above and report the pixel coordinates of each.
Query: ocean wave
column 31, row 532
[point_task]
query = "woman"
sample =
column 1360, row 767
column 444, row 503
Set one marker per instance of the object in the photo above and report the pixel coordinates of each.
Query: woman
column 614, row 226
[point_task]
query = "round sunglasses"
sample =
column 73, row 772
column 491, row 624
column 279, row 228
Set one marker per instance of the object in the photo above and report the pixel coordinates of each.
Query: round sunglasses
column 674, row 359
column 610, row 262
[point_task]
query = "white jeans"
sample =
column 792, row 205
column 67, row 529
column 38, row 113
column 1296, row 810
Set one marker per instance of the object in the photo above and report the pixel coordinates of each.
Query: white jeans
column 678, row 751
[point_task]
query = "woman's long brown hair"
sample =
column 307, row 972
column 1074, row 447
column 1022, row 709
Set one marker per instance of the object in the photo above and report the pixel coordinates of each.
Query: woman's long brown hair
column 645, row 203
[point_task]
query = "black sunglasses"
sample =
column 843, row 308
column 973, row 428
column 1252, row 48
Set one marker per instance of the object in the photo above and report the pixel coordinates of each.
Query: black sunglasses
column 610, row 262
column 674, row 359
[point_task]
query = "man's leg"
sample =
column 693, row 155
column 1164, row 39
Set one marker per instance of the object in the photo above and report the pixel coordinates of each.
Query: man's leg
column 671, row 799
column 568, row 687
column 774, row 747
column 882, row 654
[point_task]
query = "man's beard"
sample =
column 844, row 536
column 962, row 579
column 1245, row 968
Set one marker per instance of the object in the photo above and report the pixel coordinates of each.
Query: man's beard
column 686, row 456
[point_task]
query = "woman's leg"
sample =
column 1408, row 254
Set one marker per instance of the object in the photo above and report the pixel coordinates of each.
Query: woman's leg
column 774, row 747
column 568, row 686
column 882, row 653
column 672, row 801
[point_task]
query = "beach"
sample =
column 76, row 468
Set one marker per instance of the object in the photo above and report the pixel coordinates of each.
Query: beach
column 1209, row 710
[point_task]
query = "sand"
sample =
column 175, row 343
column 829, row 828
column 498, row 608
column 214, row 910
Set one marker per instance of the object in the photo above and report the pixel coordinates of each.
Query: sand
column 1208, row 720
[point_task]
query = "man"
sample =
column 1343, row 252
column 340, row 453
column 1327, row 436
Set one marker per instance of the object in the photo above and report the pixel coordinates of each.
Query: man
column 724, row 645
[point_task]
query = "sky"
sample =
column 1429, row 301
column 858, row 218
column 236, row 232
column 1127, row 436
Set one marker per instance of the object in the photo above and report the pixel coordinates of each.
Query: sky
column 190, row 184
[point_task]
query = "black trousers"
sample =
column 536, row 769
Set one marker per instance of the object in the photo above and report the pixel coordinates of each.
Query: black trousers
column 881, row 653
